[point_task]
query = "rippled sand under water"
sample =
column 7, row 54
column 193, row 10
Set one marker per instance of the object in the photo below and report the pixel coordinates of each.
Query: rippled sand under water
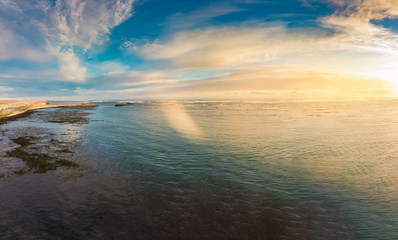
column 203, row 170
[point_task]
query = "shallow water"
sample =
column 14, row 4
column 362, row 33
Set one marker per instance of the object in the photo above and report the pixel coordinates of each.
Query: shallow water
column 206, row 170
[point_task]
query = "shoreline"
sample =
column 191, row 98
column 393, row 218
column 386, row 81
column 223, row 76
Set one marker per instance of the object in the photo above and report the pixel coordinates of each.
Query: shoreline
column 12, row 110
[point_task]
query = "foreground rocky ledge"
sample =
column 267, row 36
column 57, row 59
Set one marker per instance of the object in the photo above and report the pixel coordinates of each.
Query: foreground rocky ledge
column 10, row 109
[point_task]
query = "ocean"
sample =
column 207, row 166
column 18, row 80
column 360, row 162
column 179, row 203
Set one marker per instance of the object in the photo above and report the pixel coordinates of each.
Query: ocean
column 202, row 170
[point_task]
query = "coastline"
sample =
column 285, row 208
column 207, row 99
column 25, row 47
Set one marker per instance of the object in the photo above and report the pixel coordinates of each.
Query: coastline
column 10, row 110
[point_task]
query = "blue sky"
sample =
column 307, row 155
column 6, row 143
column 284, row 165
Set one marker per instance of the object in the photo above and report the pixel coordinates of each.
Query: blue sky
column 102, row 49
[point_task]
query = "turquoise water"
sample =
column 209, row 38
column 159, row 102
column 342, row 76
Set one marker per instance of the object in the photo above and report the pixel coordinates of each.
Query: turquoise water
column 209, row 170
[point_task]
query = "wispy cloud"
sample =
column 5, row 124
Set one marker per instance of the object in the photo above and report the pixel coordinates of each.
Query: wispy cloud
column 227, row 46
column 87, row 22
column 367, row 10
column 14, row 45
column 200, row 16
column 125, row 79
column 58, row 30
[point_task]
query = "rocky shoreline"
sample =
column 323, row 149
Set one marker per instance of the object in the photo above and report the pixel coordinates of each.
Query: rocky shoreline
column 39, row 149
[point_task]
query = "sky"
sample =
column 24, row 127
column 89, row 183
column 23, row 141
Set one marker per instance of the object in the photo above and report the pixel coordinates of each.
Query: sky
column 208, row 49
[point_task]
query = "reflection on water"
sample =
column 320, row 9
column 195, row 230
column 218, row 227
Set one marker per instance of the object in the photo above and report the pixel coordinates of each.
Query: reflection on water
column 261, row 170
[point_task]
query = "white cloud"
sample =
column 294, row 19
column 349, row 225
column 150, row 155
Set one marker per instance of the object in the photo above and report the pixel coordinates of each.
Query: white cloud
column 15, row 46
column 70, row 68
column 88, row 22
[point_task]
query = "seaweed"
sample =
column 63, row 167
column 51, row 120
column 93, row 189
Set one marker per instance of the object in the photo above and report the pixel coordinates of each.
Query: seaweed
column 37, row 162
column 24, row 141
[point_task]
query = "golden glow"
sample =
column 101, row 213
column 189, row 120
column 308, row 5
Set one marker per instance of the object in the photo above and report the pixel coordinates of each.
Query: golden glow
column 181, row 121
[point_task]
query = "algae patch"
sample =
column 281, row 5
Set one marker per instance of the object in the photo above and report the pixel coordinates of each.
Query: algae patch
column 37, row 162
column 24, row 141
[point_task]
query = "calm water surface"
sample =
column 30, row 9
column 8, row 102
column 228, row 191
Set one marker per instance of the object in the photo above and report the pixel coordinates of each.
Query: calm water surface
column 206, row 170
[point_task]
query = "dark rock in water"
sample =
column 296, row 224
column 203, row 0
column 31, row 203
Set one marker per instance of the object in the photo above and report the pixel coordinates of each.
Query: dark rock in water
column 124, row 104
column 66, row 163
column 64, row 151
column 23, row 141
column 20, row 172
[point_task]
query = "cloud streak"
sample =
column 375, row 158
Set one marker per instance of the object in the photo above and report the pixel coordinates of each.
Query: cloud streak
column 227, row 46
column 259, row 82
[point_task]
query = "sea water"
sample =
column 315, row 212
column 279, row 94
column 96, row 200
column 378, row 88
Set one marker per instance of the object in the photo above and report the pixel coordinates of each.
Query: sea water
column 207, row 170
